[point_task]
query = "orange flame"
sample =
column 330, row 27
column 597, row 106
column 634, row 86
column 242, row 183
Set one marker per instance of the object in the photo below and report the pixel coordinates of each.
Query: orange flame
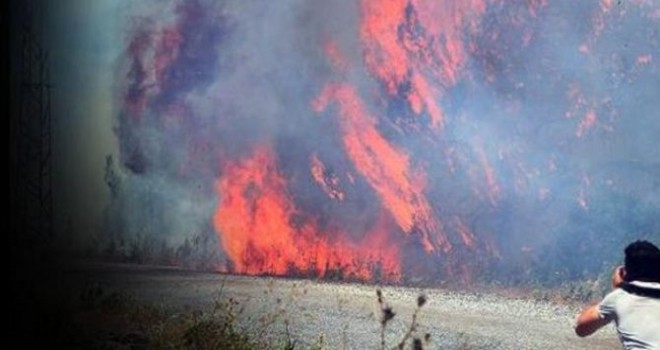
column 466, row 234
column 328, row 181
column 419, row 42
column 335, row 55
column 586, row 123
column 489, row 175
column 263, row 232
column 386, row 168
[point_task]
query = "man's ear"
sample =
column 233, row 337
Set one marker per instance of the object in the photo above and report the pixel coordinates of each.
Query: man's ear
column 623, row 273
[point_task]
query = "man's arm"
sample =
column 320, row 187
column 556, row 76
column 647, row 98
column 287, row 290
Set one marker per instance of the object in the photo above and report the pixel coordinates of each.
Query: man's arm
column 589, row 321
column 592, row 319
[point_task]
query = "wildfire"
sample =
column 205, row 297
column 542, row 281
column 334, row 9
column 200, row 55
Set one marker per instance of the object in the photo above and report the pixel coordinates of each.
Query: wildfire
column 395, row 142
column 386, row 168
column 418, row 43
column 263, row 232
column 327, row 180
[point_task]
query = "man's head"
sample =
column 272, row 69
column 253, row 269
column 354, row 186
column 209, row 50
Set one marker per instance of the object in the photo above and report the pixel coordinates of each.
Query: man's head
column 642, row 262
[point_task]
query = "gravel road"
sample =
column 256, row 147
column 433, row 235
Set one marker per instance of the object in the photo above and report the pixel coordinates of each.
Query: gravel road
column 347, row 315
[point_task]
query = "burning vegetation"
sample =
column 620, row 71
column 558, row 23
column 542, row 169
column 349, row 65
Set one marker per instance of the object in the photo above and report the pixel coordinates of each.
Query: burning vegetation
column 397, row 141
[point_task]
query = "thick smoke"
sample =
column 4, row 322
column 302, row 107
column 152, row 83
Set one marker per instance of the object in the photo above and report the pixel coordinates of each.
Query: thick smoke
column 467, row 139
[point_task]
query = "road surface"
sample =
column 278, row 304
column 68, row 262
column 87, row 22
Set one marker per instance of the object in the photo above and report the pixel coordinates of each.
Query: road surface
column 347, row 315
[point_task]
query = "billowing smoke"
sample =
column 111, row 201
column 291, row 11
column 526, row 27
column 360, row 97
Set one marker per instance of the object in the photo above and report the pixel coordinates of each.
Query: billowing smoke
column 395, row 140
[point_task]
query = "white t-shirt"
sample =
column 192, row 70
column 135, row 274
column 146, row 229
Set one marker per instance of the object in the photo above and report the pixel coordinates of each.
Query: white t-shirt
column 637, row 317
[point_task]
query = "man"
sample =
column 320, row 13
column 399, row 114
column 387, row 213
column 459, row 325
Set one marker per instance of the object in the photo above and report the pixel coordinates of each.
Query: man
column 634, row 304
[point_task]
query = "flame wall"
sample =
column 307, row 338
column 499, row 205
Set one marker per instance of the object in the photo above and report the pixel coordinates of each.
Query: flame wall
column 398, row 140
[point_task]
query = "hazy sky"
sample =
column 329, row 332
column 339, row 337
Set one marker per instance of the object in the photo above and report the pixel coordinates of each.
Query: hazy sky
column 84, row 40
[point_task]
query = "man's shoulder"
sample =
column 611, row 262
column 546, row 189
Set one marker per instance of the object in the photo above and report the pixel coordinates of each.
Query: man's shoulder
column 615, row 294
column 607, row 307
column 626, row 294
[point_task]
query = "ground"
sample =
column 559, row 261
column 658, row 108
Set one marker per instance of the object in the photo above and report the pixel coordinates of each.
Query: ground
column 346, row 316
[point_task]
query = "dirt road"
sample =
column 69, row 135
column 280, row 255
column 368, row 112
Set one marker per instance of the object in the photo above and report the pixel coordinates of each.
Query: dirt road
column 346, row 315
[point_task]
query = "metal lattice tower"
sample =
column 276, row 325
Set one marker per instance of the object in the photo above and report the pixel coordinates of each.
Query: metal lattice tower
column 34, row 135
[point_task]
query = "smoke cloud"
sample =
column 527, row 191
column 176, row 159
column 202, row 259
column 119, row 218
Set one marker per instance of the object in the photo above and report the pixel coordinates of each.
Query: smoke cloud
column 397, row 140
